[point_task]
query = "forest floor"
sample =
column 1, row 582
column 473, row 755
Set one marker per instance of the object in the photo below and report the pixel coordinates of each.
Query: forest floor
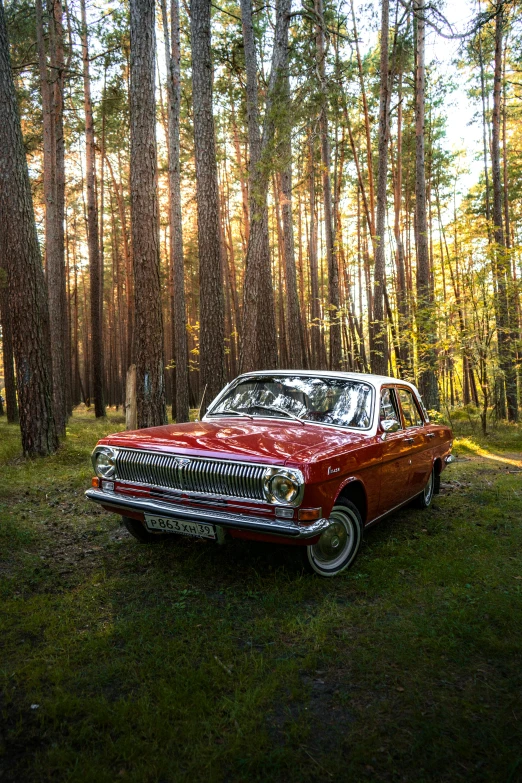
column 186, row 661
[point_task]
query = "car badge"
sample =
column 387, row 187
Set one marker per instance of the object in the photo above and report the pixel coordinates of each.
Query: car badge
column 182, row 462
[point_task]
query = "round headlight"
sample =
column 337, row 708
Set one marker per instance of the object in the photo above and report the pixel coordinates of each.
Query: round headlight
column 104, row 460
column 284, row 488
column 283, row 485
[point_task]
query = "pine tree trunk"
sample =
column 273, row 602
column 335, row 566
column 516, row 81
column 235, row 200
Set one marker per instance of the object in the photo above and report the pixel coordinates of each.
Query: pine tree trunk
column 212, row 307
column 295, row 331
column 378, row 330
column 51, row 86
column 7, row 346
column 148, row 324
column 26, row 285
column 178, row 315
column 259, row 344
column 93, row 235
column 331, row 255
column 502, row 264
column 426, row 329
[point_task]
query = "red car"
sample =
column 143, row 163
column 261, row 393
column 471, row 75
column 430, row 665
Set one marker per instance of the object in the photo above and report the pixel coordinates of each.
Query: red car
column 303, row 458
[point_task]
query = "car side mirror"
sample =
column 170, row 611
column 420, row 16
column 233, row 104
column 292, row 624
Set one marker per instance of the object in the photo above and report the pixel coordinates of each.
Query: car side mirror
column 390, row 425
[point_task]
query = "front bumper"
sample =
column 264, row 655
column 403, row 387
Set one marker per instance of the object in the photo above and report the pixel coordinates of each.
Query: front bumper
column 278, row 527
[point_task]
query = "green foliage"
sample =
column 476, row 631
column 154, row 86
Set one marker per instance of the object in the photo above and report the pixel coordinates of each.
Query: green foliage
column 188, row 661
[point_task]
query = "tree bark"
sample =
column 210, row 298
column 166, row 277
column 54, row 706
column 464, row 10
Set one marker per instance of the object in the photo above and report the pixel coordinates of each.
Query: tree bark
column 26, row 285
column 93, row 235
column 426, row 335
column 502, row 264
column 7, row 346
column 148, row 324
column 259, row 343
column 212, row 308
column 178, row 315
column 331, row 255
column 378, row 330
column 51, row 86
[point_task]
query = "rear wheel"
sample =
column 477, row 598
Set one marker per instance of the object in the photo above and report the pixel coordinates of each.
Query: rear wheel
column 140, row 532
column 339, row 544
column 426, row 496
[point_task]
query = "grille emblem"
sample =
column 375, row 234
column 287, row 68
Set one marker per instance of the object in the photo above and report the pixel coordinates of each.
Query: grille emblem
column 182, row 462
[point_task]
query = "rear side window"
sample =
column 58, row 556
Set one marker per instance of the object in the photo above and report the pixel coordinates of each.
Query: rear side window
column 412, row 417
column 389, row 405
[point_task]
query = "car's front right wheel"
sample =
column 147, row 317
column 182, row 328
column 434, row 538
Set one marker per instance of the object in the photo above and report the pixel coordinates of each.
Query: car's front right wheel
column 339, row 543
column 140, row 532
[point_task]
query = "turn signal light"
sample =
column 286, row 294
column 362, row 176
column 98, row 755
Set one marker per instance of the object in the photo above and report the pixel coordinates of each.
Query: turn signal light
column 95, row 482
column 309, row 514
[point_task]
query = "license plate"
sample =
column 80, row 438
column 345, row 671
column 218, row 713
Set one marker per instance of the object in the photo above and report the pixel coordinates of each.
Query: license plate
column 180, row 526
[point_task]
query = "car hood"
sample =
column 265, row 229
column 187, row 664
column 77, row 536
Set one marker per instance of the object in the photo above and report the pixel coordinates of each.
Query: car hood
column 275, row 442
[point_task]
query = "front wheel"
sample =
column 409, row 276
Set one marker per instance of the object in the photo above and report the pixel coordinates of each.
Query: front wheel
column 140, row 532
column 338, row 545
column 426, row 496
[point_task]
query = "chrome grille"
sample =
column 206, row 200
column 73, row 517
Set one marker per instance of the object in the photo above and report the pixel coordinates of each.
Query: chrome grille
column 202, row 476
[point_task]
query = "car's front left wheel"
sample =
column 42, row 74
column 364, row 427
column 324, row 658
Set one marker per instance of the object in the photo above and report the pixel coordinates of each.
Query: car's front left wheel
column 339, row 543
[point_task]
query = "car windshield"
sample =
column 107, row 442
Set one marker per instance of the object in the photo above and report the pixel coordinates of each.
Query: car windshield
column 343, row 402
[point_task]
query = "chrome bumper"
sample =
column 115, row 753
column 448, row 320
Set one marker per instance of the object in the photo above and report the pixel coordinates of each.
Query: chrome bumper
column 226, row 519
column 449, row 459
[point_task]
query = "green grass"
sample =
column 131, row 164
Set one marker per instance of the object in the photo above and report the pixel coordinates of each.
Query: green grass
column 186, row 661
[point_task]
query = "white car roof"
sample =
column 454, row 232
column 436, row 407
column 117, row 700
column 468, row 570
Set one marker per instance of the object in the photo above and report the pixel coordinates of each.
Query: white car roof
column 376, row 380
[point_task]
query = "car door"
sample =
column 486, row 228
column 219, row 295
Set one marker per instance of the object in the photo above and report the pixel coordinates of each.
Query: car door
column 395, row 455
column 415, row 438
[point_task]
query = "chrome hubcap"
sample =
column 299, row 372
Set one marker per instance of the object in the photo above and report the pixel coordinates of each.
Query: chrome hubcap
column 336, row 541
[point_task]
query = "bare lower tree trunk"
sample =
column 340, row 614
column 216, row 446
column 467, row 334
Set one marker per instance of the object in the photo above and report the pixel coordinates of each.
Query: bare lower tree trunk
column 259, row 347
column 502, row 263
column 179, row 318
column 378, row 333
column 426, row 327
column 25, row 279
column 148, row 325
column 51, row 86
column 7, row 346
column 331, row 255
column 295, row 331
column 212, row 307
column 93, row 235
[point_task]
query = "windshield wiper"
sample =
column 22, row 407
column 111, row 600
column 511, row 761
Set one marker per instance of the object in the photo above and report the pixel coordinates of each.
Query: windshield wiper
column 232, row 413
column 279, row 410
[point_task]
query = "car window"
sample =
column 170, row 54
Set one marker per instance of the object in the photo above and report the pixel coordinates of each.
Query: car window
column 412, row 417
column 338, row 401
column 389, row 406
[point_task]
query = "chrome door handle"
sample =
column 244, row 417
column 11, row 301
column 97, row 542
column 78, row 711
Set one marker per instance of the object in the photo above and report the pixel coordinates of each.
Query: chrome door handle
column 430, row 434
column 409, row 440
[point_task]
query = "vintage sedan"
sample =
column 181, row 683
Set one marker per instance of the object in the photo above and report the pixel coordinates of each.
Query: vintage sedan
column 303, row 458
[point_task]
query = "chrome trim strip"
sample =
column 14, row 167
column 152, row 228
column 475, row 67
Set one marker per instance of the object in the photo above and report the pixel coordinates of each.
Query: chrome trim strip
column 273, row 526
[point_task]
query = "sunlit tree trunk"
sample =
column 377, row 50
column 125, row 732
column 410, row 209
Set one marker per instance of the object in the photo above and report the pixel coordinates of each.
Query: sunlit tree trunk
column 502, row 263
column 426, row 336
column 378, row 331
